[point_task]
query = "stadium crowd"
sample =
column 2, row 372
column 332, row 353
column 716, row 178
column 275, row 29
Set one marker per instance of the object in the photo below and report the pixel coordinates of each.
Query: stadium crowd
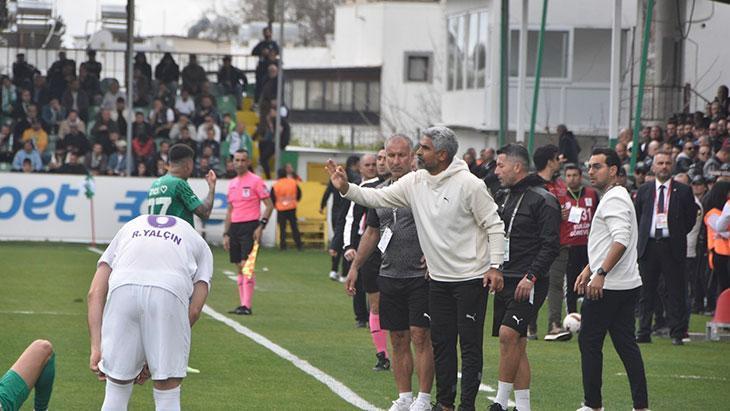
column 70, row 120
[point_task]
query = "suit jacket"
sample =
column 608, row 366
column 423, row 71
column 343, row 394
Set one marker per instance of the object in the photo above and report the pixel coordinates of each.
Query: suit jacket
column 681, row 218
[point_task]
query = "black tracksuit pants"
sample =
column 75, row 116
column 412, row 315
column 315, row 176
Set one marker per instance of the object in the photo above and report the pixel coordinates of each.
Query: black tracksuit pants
column 457, row 311
column 290, row 216
column 614, row 313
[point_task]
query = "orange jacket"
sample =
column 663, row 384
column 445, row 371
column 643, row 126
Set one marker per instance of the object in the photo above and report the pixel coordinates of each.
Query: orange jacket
column 285, row 194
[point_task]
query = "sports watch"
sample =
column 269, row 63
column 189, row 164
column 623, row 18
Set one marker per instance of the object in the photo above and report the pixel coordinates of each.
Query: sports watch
column 601, row 272
column 531, row 278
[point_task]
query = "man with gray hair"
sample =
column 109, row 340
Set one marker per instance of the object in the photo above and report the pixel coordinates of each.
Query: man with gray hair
column 463, row 257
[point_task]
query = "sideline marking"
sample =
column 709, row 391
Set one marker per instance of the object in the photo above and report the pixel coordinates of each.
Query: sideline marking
column 678, row 376
column 488, row 388
column 24, row 312
column 337, row 387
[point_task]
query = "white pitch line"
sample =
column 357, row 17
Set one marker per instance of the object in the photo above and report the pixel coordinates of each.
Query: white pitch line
column 95, row 250
column 337, row 387
column 681, row 377
column 488, row 388
column 24, row 312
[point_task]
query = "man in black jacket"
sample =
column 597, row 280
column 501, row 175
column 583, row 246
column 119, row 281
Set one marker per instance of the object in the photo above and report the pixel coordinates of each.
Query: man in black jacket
column 568, row 145
column 531, row 218
column 666, row 211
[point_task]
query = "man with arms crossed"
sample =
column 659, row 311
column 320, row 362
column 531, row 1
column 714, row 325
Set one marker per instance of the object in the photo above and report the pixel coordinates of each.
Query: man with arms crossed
column 611, row 283
column 244, row 223
column 149, row 288
column 402, row 284
column 171, row 194
column 463, row 257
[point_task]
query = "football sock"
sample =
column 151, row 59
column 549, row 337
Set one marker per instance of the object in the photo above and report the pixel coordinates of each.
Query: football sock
column 379, row 338
column 44, row 385
column 405, row 396
column 167, row 400
column 522, row 399
column 504, row 389
column 424, row 396
column 240, row 287
column 248, row 285
column 116, row 396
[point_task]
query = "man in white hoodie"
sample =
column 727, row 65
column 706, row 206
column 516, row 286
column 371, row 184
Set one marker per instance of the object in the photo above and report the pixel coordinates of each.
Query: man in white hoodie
column 462, row 237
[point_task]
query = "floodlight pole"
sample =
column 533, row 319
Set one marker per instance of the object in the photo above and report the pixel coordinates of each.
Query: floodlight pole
column 538, row 74
column 279, row 91
column 503, row 72
column 642, row 78
column 615, row 87
column 130, row 81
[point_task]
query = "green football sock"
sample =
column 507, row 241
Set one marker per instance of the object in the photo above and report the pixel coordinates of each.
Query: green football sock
column 44, row 385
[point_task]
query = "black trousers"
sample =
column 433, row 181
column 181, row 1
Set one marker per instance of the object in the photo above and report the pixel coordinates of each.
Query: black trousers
column 698, row 281
column 614, row 313
column 282, row 217
column 659, row 262
column 577, row 261
column 457, row 312
column 359, row 300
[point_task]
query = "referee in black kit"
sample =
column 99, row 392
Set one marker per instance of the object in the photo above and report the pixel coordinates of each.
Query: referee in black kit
column 611, row 283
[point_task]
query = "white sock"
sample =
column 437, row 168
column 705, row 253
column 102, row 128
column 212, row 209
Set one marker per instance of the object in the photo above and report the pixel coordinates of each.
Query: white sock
column 504, row 389
column 408, row 396
column 116, row 396
column 424, row 396
column 167, row 400
column 522, row 399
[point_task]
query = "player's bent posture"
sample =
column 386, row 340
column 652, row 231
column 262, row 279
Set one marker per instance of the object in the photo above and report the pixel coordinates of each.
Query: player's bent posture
column 149, row 288
column 244, row 224
column 171, row 194
column 35, row 368
column 611, row 283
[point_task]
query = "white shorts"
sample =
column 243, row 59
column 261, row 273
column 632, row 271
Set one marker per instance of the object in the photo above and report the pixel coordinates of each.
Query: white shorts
column 144, row 324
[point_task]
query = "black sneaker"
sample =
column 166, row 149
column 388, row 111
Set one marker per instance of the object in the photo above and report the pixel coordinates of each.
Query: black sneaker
column 496, row 407
column 246, row 311
column 236, row 310
column 383, row 363
column 643, row 339
column 438, row 407
column 361, row 324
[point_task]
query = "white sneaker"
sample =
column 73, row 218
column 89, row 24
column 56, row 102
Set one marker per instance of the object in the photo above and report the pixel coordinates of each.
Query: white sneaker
column 334, row 276
column 342, row 279
column 584, row 408
column 401, row 404
column 420, row 405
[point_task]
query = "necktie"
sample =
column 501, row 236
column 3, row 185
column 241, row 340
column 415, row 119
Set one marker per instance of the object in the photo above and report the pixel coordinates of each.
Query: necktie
column 660, row 205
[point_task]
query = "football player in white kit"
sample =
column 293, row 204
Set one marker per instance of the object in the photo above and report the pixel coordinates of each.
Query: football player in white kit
column 149, row 288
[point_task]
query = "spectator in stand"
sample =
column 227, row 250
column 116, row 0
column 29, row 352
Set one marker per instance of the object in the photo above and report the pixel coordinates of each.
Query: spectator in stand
column 6, row 144
column 203, row 167
column 657, row 134
column 104, row 126
column 141, row 84
column 96, row 161
column 267, row 142
column 230, row 171
column 37, row 135
column 186, row 138
column 75, row 141
column 28, row 152
column 20, row 110
column 265, row 44
column 202, row 133
column 59, row 73
column 143, row 149
column 213, row 160
column 53, row 115
column 164, row 152
column 160, row 168
column 141, row 170
column 211, row 142
column 184, row 104
column 193, row 76
column 715, row 162
column 8, row 96
column 239, row 139
column 163, row 93
column 205, row 91
column 71, row 119
column 722, row 131
column 182, row 122
column 120, row 116
column 722, row 99
column 167, row 71
column 227, row 127
column 92, row 67
column 703, row 154
column 90, row 85
column 41, row 94
column 671, row 132
column 685, row 159
column 76, row 99
column 262, row 50
column 140, row 126
column 27, row 166
column 232, row 80
column 25, row 123
column 58, row 158
column 112, row 96
column 140, row 63
column 23, row 72
column 268, row 90
column 568, row 145
column 206, row 109
column 161, row 118
column 117, row 164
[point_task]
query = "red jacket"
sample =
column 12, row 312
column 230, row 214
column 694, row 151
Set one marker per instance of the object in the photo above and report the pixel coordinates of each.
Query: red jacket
column 143, row 149
column 577, row 233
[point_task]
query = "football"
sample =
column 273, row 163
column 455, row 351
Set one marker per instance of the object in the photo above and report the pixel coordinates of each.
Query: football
column 572, row 322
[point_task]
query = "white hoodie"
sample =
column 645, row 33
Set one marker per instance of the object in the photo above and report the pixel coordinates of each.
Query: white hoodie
column 459, row 229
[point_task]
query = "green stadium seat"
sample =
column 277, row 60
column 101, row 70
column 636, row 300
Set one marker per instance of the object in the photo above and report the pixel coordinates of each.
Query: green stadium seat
column 92, row 112
column 227, row 104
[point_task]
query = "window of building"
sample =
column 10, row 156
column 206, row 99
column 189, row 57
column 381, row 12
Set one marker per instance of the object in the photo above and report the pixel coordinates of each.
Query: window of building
column 360, row 96
column 554, row 56
column 418, row 66
column 299, row 95
column 466, row 53
column 346, row 95
column 315, row 95
column 374, row 96
column 332, row 96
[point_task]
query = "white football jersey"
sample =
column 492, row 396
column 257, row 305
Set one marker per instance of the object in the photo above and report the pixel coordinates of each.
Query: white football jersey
column 159, row 251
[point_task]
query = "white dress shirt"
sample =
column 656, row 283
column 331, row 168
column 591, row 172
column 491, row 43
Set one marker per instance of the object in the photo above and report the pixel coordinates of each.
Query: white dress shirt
column 667, row 186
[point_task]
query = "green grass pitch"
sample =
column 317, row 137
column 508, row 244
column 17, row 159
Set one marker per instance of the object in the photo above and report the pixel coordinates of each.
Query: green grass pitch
column 43, row 295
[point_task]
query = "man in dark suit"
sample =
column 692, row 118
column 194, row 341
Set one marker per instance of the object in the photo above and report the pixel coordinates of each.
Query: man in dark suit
column 666, row 212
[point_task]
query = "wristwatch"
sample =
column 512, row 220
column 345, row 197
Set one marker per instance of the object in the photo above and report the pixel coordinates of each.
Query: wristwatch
column 495, row 266
column 263, row 222
column 531, row 278
column 601, row 272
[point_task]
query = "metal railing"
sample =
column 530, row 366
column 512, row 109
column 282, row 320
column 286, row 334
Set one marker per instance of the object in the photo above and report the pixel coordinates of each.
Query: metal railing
column 663, row 102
